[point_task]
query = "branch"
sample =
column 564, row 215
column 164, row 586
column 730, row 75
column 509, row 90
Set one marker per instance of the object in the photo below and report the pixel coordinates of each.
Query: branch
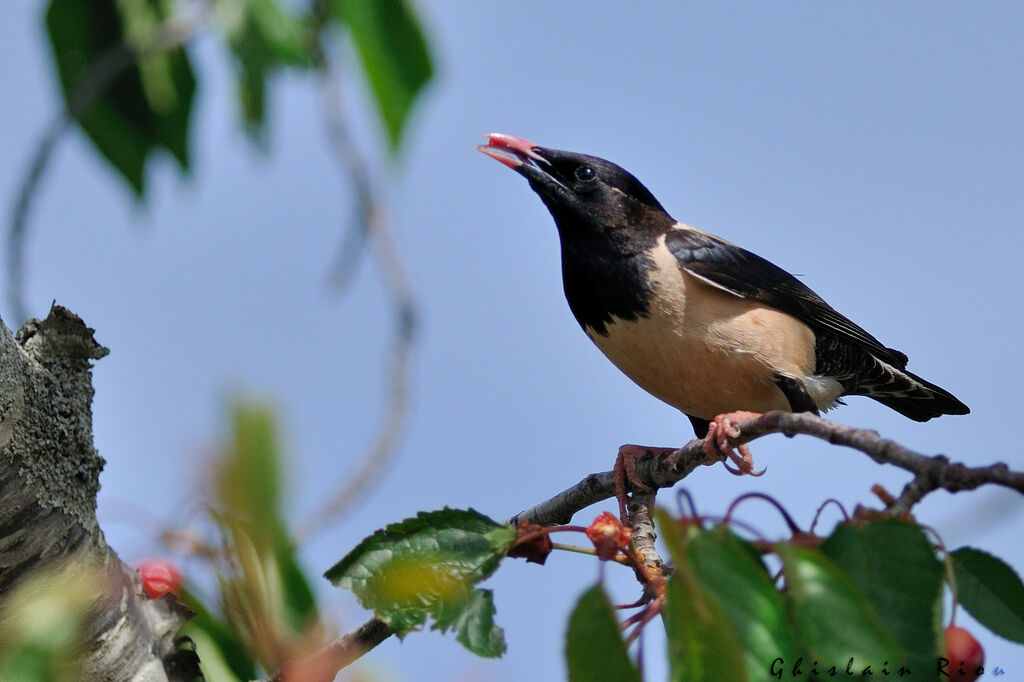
column 324, row 665
column 931, row 473
column 639, row 513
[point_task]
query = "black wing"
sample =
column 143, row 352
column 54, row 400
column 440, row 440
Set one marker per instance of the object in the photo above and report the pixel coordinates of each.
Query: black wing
column 747, row 275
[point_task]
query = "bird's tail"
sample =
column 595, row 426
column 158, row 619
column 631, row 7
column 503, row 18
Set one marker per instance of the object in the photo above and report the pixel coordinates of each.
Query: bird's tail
column 910, row 395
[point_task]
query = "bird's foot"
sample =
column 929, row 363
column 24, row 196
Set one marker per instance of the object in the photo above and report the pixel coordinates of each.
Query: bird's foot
column 625, row 471
column 716, row 443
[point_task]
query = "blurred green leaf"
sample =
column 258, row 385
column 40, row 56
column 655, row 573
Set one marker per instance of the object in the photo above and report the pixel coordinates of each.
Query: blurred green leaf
column 222, row 654
column 427, row 565
column 215, row 666
column 42, row 622
column 141, row 20
column 263, row 36
column 394, row 55
column 702, row 644
column 286, row 36
column 906, row 594
column 730, row 569
column 835, row 621
column 266, row 597
column 299, row 598
column 991, row 590
column 594, row 649
column 147, row 106
column 248, row 479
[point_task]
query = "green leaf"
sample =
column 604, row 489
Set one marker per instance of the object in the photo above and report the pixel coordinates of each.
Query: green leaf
column 835, row 621
column 393, row 53
column 44, row 624
column 147, row 106
column 991, row 590
column 473, row 620
column 248, row 482
column 427, row 565
column 215, row 666
column 594, row 649
column 286, row 36
column 221, row 652
column 299, row 599
column 250, row 491
column 702, row 644
column 263, row 36
column 906, row 594
column 702, row 647
column 729, row 568
column 247, row 504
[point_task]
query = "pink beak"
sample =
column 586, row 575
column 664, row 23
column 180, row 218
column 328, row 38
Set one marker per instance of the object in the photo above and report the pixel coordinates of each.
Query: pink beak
column 509, row 150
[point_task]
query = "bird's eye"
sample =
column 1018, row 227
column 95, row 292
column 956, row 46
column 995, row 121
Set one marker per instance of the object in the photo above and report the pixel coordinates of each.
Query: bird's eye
column 585, row 174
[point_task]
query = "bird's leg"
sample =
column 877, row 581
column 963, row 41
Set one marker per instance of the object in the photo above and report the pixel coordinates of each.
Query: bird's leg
column 716, row 443
column 625, row 470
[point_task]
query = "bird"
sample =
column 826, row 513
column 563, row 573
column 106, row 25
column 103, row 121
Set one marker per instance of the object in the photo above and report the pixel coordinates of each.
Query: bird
column 706, row 326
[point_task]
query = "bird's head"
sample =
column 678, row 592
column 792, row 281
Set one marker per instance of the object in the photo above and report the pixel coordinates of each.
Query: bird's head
column 582, row 192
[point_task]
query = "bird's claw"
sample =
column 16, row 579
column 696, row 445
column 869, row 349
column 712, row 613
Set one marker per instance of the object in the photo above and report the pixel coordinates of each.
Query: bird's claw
column 625, row 470
column 717, row 447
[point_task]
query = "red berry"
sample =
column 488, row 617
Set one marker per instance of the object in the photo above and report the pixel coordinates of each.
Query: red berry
column 159, row 577
column 608, row 535
column 966, row 657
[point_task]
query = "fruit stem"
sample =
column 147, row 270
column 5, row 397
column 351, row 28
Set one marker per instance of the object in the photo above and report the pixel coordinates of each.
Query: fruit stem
column 950, row 576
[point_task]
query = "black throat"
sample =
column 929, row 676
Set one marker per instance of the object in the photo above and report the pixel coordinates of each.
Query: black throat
column 604, row 274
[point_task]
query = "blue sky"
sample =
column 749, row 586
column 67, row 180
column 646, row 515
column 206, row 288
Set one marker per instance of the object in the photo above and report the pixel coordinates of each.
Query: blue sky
column 873, row 149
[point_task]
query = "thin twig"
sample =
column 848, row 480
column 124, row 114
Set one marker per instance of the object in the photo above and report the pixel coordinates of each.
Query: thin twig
column 324, row 665
column 92, row 83
column 933, row 473
column 923, row 483
column 20, row 213
column 371, row 221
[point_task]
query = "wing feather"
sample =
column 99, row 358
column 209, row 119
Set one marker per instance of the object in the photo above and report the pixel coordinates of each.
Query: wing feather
column 745, row 274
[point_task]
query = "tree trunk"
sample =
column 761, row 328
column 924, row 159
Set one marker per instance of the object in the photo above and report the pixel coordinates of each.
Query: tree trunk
column 49, row 477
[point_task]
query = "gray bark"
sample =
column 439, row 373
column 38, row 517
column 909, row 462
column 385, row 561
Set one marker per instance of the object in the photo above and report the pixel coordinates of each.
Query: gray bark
column 49, row 478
